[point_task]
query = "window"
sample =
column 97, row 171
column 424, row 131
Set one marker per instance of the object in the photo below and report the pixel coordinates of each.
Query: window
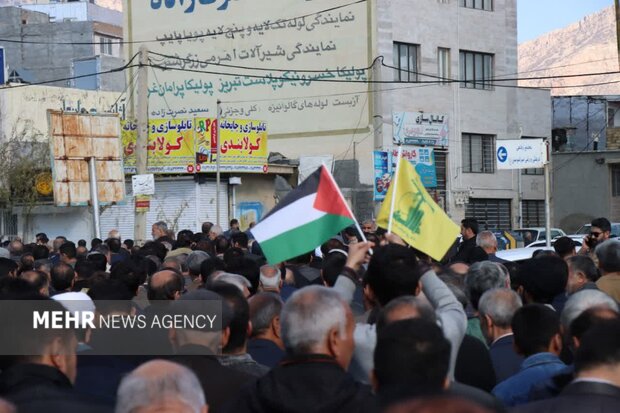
column 478, row 153
column 8, row 224
column 533, row 213
column 490, row 213
column 477, row 4
column 476, row 70
column 105, row 45
column 615, row 180
column 443, row 62
column 406, row 62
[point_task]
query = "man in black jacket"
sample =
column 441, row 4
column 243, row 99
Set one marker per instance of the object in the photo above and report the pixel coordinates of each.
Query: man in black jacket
column 466, row 250
column 196, row 349
column 596, row 387
column 42, row 380
column 317, row 330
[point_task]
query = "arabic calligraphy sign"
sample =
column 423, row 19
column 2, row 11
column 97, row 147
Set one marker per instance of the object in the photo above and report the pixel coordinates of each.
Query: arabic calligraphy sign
column 420, row 128
column 188, row 145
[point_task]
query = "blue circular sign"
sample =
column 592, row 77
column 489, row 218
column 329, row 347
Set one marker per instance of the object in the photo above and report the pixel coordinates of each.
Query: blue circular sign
column 502, row 154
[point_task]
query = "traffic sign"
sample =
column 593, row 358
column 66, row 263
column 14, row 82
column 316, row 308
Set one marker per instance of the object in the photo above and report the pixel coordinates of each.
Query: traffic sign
column 502, row 154
column 521, row 153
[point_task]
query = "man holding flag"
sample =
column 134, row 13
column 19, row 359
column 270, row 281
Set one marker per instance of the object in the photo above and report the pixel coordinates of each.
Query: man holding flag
column 310, row 214
column 307, row 217
column 411, row 213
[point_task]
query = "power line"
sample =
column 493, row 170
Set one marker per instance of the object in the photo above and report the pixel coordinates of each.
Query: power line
column 259, row 68
column 588, row 142
column 310, row 79
column 559, row 66
column 379, row 58
column 64, row 79
column 129, row 84
column 445, row 79
column 244, row 29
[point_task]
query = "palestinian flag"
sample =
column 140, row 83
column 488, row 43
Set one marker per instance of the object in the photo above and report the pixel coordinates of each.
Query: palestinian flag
column 307, row 217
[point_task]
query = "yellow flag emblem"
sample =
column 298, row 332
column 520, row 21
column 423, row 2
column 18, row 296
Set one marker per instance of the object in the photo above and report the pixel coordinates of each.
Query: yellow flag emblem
column 417, row 219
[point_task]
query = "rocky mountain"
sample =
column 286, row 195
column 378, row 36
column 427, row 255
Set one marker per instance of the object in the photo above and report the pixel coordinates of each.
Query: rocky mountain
column 587, row 46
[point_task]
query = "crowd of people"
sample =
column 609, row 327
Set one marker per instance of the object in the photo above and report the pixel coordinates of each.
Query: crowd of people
column 355, row 326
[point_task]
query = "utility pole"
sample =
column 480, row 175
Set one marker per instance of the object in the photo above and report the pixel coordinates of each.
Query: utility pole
column 142, row 140
column 547, row 193
column 217, row 165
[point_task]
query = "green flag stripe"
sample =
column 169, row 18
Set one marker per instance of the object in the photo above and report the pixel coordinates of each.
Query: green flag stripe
column 304, row 238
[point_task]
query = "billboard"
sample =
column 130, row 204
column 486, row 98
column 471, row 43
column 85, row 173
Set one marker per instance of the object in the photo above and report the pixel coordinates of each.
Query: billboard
column 420, row 128
column 286, row 62
column 189, row 145
column 75, row 138
column 423, row 159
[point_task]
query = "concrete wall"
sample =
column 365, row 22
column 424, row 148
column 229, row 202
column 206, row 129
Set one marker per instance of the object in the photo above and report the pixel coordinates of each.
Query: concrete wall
column 502, row 111
column 581, row 188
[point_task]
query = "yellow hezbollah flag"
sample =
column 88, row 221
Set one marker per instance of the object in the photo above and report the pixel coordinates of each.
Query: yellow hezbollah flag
column 417, row 219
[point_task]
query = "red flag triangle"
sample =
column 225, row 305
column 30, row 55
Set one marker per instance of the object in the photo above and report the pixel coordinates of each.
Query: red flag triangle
column 328, row 197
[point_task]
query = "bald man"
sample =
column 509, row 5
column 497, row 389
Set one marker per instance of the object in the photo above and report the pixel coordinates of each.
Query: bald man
column 165, row 285
column 161, row 386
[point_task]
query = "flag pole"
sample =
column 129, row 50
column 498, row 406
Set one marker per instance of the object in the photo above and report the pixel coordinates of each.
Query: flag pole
column 357, row 225
column 395, row 183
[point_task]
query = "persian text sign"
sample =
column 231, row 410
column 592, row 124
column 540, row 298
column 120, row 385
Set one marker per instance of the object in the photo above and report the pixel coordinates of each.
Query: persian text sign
column 170, row 145
column 188, row 145
column 420, row 128
column 243, row 145
column 521, row 154
column 328, row 37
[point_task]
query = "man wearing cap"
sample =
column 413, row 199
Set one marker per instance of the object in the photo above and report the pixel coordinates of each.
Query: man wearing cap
column 196, row 348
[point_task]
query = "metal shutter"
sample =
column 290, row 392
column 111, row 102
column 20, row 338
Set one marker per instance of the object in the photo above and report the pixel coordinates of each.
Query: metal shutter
column 490, row 213
column 533, row 213
column 178, row 202
column 207, row 208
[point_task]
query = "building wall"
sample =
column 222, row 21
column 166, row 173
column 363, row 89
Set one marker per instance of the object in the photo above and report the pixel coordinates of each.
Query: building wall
column 23, row 111
column 581, row 187
column 503, row 111
column 51, row 59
